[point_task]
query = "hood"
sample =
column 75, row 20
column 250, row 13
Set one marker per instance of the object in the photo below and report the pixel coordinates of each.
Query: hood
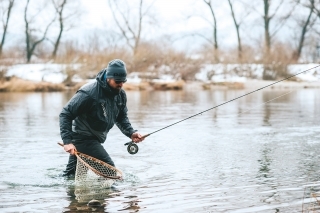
column 101, row 79
column 103, row 83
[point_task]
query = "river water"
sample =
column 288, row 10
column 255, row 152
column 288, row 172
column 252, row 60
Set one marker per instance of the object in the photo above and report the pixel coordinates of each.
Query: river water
column 244, row 156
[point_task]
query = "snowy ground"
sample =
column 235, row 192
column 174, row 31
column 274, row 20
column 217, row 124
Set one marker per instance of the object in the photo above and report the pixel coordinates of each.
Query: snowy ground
column 236, row 72
column 56, row 73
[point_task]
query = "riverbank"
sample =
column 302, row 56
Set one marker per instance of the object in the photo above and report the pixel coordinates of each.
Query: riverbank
column 251, row 85
column 53, row 77
column 21, row 85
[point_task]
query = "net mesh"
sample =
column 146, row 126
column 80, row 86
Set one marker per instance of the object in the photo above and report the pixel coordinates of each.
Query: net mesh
column 91, row 172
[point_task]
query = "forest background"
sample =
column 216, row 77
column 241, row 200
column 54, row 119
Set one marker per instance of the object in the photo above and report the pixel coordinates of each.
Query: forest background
column 156, row 38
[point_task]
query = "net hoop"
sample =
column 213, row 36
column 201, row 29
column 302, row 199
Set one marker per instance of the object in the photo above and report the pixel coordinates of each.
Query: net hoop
column 100, row 162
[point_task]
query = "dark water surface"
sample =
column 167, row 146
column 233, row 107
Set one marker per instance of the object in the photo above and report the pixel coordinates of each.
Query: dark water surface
column 244, row 156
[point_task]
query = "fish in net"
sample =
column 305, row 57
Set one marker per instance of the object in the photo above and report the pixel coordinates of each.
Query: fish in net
column 91, row 172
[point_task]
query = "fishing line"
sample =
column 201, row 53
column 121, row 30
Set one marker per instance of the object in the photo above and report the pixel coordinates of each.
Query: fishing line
column 133, row 148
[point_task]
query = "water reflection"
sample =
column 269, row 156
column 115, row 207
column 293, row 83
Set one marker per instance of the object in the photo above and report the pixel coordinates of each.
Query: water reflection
column 103, row 200
column 245, row 156
column 267, row 112
column 120, row 197
column 265, row 162
column 80, row 199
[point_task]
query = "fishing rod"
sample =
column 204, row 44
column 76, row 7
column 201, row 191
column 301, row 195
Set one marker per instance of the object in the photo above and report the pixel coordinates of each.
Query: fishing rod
column 133, row 148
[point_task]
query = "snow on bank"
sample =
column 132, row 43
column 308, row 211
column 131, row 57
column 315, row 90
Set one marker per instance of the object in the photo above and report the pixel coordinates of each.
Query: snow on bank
column 229, row 72
column 313, row 75
column 243, row 72
column 56, row 73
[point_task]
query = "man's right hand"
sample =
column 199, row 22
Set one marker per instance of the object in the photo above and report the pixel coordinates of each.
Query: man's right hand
column 70, row 148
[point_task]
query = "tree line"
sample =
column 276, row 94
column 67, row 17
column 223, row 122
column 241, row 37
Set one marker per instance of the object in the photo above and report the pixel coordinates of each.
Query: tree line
column 45, row 24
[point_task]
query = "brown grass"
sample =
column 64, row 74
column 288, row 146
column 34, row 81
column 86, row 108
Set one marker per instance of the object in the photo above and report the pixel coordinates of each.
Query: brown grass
column 78, row 85
column 20, row 85
column 177, row 85
column 126, row 86
column 138, row 86
column 225, row 85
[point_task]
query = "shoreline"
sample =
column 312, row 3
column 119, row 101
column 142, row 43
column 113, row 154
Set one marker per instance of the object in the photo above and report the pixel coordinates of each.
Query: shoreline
column 256, row 84
column 282, row 85
column 20, row 85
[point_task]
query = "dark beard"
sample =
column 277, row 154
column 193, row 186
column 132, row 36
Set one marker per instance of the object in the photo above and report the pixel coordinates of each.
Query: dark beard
column 113, row 90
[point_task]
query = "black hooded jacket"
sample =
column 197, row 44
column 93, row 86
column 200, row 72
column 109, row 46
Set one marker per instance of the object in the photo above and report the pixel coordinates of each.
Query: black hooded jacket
column 93, row 111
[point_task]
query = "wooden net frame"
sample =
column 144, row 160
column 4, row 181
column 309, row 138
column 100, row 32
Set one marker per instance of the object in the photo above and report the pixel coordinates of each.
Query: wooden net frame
column 92, row 172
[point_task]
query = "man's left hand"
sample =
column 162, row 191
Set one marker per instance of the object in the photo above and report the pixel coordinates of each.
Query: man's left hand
column 137, row 137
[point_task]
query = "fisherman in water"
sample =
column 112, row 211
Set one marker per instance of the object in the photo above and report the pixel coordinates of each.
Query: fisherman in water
column 89, row 115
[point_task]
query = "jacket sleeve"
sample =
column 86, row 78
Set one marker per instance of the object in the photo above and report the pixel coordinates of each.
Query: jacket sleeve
column 123, row 122
column 80, row 103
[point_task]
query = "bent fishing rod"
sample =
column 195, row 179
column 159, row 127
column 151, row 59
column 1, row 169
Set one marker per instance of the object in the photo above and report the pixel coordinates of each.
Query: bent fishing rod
column 133, row 148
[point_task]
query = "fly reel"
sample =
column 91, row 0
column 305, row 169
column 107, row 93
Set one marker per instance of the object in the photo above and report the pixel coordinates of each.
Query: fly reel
column 132, row 148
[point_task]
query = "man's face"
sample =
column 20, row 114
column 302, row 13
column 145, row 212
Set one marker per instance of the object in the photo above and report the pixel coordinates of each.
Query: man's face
column 117, row 85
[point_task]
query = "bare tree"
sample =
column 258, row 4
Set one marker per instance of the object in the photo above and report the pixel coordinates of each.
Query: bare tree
column 305, row 26
column 269, row 15
column 60, row 8
column 32, row 40
column 317, row 8
column 6, row 13
column 275, row 15
column 130, row 27
column 214, row 28
column 266, row 19
column 237, row 26
column 317, row 31
column 317, row 13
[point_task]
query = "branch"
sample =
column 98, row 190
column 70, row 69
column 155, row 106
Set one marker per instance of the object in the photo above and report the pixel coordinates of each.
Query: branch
column 126, row 21
column 212, row 12
column 43, row 37
column 252, row 7
column 233, row 15
column 195, row 34
column 244, row 16
column 148, row 8
column 277, row 8
column 283, row 20
column 119, row 25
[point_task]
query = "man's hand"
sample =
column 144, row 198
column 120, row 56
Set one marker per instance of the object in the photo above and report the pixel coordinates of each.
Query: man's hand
column 137, row 137
column 70, row 148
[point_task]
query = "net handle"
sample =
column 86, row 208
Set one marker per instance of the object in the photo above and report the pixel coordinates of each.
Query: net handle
column 93, row 169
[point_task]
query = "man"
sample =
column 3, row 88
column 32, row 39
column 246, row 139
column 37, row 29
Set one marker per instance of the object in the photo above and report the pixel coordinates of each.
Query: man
column 89, row 115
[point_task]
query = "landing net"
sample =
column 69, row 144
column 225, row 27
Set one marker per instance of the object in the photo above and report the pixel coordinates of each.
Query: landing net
column 91, row 172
